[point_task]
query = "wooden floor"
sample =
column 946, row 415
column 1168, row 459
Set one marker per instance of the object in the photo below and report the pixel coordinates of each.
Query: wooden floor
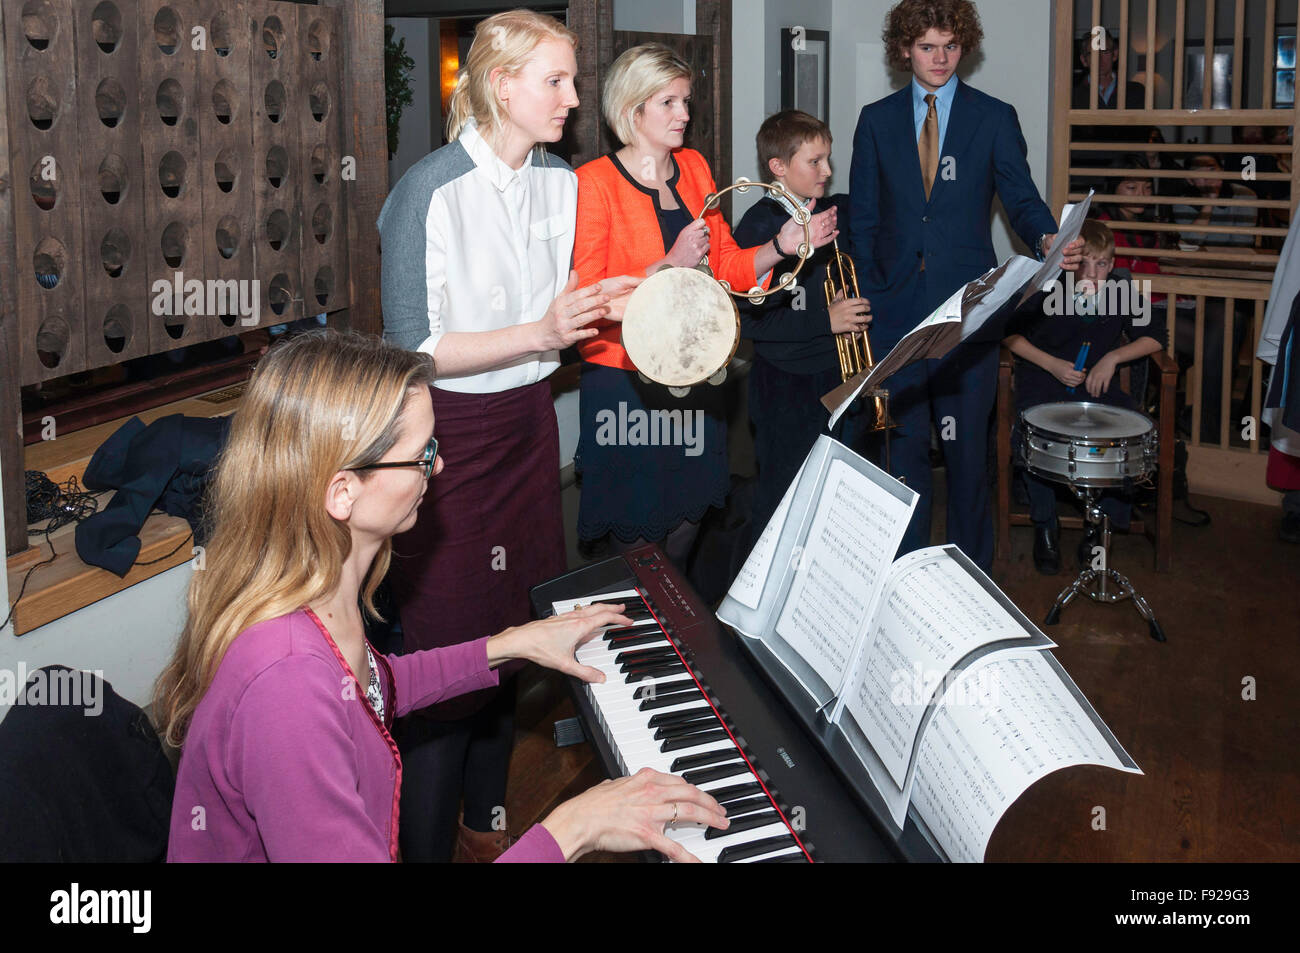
column 1220, row 779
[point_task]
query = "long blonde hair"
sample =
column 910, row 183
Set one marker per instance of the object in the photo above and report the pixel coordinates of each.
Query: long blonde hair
column 503, row 41
column 319, row 403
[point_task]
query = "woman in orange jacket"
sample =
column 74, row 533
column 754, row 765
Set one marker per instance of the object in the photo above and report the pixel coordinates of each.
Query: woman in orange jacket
column 645, row 476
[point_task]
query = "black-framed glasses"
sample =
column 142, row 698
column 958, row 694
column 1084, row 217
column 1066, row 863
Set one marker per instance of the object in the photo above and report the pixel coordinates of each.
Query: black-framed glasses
column 425, row 463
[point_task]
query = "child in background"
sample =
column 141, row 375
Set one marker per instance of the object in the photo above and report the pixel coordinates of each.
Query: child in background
column 795, row 360
column 1047, row 346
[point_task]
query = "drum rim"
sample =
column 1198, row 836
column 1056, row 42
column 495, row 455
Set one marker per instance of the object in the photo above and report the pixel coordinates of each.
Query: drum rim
column 735, row 342
column 1030, row 429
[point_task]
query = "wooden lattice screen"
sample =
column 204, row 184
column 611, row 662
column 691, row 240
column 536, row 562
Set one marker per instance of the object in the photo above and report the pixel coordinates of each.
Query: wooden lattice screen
column 1173, row 57
column 230, row 141
column 152, row 140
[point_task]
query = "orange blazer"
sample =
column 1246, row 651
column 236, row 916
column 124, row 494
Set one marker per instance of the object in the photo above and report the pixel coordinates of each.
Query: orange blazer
column 618, row 234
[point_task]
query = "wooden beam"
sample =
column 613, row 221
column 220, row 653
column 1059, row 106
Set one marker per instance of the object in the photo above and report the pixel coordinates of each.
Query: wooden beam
column 1121, row 67
column 593, row 21
column 1207, row 68
column 713, row 18
column 11, row 446
column 365, row 140
column 1238, row 33
column 1183, row 117
column 1062, row 66
column 1180, row 28
column 1270, row 56
column 1150, row 78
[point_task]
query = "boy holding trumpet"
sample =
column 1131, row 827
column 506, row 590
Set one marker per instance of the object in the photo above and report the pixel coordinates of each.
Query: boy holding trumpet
column 797, row 354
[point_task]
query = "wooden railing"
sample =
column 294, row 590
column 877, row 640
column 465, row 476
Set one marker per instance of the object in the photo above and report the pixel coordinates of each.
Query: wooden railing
column 1215, row 289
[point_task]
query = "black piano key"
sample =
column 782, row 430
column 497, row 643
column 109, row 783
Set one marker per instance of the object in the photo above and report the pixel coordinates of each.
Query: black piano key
column 647, row 637
column 688, row 761
column 651, row 692
column 746, row 823
column 693, row 741
column 657, row 671
column 715, row 773
column 640, row 655
column 637, row 610
column 746, row 805
column 730, row 855
column 669, row 718
column 673, row 698
column 698, row 726
column 735, row 792
column 637, row 666
column 795, row 857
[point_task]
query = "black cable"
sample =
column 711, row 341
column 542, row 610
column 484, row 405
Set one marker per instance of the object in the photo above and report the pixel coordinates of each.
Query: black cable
column 61, row 504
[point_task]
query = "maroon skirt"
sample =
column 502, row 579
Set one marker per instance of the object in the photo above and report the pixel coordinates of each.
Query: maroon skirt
column 489, row 527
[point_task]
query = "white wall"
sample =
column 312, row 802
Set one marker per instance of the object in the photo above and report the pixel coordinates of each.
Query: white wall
column 128, row 636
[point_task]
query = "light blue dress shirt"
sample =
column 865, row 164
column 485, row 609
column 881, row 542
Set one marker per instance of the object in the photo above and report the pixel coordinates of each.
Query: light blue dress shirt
column 942, row 105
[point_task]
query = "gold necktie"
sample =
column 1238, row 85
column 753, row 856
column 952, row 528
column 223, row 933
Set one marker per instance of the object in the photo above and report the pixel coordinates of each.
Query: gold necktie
column 928, row 145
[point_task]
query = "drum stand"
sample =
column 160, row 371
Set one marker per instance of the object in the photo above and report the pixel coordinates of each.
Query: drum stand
column 1092, row 582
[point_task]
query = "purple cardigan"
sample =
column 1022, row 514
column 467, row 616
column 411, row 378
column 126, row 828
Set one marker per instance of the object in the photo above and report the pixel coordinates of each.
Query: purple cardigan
column 285, row 760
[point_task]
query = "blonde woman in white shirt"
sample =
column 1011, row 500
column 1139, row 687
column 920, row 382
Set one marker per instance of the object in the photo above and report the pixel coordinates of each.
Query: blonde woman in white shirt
column 477, row 239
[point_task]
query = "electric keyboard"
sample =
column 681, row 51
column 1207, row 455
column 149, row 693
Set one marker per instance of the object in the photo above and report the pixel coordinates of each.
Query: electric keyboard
column 682, row 696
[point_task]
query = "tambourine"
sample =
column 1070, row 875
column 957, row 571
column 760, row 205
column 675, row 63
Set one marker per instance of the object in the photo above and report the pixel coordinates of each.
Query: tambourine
column 681, row 326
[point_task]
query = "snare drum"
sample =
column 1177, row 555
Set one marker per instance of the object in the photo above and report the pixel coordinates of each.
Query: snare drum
column 681, row 328
column 1087, row 444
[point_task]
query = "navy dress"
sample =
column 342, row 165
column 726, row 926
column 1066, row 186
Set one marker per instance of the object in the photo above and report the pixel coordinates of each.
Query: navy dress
column 634, row 490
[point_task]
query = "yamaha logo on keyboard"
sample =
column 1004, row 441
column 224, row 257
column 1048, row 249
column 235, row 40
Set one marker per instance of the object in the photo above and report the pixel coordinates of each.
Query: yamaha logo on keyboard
column 789, row 761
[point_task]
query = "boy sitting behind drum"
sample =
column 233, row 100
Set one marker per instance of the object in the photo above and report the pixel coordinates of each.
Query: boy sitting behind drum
column 1082, row 324
column 795, row 360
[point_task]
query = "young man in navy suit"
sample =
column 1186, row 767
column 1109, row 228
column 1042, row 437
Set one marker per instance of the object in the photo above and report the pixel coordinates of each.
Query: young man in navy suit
column 927, row 162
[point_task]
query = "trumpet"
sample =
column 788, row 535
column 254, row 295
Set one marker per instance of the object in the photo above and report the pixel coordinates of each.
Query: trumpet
column 853, row 347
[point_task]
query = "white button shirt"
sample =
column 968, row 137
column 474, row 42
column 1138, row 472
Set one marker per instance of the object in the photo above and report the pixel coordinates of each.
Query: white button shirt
column 469, row 244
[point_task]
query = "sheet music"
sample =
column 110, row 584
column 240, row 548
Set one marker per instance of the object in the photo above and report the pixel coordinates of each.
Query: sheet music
column 747, row 588
column 933, row 613
column 1072, row 219
column 839, row 570
column 1007, row 722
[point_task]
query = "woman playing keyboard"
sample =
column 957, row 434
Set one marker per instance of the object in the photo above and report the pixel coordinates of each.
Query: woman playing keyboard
column 280, row 704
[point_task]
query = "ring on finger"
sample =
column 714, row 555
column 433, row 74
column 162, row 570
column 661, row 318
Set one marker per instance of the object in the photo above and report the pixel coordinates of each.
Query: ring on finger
column 674, row 820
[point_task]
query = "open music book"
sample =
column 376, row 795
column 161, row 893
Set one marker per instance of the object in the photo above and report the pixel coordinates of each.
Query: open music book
column 921, row 679
column 978, row 310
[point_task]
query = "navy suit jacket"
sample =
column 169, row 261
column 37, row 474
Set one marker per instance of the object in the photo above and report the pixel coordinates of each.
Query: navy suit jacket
column 893, row 226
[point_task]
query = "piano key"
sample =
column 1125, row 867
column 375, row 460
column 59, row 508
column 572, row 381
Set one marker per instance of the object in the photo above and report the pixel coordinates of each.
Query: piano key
column 780, row 857
column 746, row 823
column 688, row 761
column 688, row 729
column 674, row 698
column 627, row 641
column 637, row 655
column 666, row 718
column 747, row 805
column 654, row 672
column 711, row 851
column 716, row 773
column 736, row 852
column 734, row 792
column 693, row 741
column 683, row 684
